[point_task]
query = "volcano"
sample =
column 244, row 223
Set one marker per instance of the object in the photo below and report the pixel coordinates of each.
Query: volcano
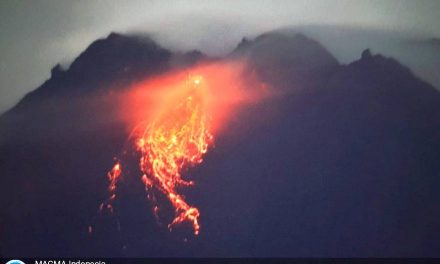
column 342, row 162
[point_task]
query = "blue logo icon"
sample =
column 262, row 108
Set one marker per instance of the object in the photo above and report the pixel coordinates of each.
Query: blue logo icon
column 15, row 261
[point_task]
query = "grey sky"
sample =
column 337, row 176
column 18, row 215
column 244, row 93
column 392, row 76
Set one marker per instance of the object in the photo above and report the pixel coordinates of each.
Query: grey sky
column 35, row 35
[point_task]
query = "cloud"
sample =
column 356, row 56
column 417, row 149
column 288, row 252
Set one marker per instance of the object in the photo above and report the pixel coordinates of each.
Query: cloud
column 38, row 35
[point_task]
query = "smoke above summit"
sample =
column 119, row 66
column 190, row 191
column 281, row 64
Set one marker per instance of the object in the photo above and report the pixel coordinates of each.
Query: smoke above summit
column 39, row 35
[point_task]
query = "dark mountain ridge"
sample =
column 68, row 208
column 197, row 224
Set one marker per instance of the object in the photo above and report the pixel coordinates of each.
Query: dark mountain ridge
column 288, row 62
column 345, row 164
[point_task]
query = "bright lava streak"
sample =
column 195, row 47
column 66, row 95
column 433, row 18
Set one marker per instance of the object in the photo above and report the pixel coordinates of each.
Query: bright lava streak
column 177, row 138
column 176, row 117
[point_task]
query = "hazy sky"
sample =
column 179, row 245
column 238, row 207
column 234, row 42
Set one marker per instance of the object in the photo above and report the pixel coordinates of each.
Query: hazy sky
column 37, row 34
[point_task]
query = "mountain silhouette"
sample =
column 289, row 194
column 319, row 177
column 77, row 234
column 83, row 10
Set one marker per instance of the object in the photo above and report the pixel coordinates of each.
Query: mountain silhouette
column 344, row 164
column 288, row 61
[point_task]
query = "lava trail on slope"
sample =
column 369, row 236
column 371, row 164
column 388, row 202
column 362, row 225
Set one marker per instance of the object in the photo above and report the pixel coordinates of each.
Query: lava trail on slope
column 185, row 110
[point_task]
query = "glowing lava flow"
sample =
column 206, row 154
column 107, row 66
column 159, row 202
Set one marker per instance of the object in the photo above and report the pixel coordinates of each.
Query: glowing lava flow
column 176, row 116
column 113, row 177
column 177, row 138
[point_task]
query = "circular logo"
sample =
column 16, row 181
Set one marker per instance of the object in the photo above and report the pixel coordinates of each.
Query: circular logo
column 15, row 261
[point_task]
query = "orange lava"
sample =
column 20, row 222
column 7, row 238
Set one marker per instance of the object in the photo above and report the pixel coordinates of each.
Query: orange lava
column 175, row 119
column 113, row 176
column 178, row 137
